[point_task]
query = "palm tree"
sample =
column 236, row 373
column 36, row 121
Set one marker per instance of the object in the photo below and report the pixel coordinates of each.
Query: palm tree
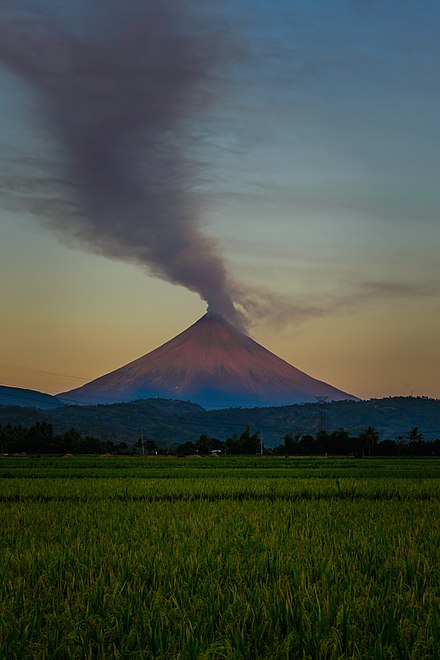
column 369, row 439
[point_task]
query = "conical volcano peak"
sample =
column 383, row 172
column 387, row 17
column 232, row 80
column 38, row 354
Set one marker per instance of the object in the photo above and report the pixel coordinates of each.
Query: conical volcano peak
column 214, row 318
column 211, row 363
column 213, row 315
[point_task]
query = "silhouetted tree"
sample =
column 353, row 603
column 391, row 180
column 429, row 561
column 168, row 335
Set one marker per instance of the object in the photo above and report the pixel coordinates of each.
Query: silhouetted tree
column 414, row 435
column 204, row 445
column 251, row 442
column 247, row 443
column 41, row 439
column 400, row 443
column 71, row 441
column 12, row 438
column 323, row 443
column 150, row 446
column 368, row 440
column 290, row 445
column 186, row 448
column 233, row 445
column 339, row 442
column 307, row 444
column 387, row 448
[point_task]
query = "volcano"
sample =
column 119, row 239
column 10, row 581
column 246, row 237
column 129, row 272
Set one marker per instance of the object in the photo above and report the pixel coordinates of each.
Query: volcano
column 210, row 363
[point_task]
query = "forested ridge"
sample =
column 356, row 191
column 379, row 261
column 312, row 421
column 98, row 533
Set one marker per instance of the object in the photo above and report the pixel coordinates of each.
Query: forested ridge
column 175, row 422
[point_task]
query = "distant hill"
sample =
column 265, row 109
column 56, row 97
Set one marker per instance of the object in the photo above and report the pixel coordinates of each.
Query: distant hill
column 17, row 396
column 171, row 422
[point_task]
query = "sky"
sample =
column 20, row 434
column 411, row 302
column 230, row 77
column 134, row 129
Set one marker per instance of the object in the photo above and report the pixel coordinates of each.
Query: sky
column 279, row 160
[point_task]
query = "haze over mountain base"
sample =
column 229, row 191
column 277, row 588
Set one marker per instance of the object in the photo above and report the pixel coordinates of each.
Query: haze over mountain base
column 210, row 363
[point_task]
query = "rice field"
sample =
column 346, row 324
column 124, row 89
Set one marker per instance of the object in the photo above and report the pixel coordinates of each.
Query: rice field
column 231, row 557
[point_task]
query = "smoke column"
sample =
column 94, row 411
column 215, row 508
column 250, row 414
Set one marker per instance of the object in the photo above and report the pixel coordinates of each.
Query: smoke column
column 121, row 108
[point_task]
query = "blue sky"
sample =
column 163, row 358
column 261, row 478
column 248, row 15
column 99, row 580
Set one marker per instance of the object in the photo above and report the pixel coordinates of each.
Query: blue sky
column 319, row 170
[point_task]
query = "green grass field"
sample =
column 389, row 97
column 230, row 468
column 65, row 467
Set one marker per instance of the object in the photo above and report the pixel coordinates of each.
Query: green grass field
column 139, row 557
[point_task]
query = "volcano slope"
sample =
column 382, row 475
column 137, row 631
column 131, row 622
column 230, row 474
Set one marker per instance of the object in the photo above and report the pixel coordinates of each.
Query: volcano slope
column 210, row 363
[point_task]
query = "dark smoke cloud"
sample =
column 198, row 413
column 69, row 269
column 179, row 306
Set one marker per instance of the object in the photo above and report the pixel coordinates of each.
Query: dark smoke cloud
column 122, row 105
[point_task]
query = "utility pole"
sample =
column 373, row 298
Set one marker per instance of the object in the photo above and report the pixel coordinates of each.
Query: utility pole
column 261, row 444
column 321, row 401
column 142, row 440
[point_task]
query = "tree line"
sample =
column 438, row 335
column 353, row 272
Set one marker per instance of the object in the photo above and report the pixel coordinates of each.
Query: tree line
column 367, row 443
column 42, row 439
column 341, row 442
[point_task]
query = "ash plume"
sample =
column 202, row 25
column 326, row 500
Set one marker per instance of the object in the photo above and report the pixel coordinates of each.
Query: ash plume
column 122, row 104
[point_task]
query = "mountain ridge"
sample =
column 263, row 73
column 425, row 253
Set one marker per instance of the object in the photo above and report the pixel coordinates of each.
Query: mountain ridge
column 19, row 396
column 171, row 422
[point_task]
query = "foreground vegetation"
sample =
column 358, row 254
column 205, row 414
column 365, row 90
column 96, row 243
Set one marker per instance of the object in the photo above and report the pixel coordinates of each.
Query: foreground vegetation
column 219, row 557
